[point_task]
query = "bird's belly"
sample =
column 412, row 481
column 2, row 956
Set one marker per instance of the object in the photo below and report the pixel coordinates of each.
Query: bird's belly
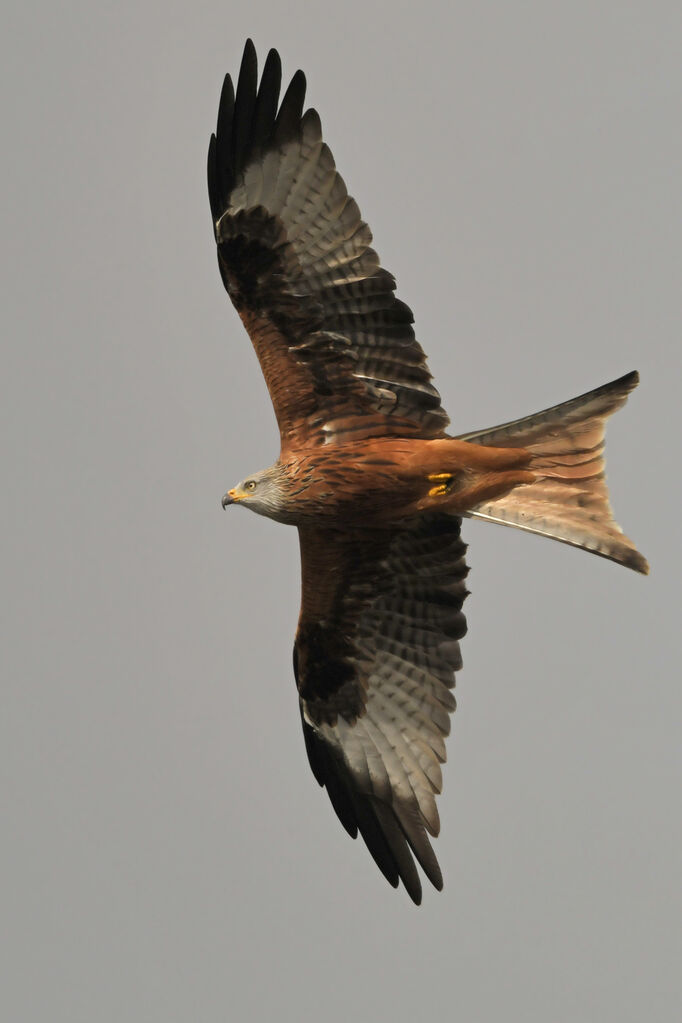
column 391, row 480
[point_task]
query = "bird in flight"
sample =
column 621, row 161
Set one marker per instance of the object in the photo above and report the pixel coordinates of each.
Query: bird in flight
column 375, row 486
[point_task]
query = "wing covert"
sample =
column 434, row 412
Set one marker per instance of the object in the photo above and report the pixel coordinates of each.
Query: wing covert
column 336, row 346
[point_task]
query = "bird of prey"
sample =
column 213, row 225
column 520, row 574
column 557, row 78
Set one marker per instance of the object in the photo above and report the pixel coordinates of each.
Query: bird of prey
column 375, row 486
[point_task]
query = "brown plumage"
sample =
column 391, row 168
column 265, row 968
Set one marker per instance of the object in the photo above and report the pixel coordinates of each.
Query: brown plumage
column 367, row 473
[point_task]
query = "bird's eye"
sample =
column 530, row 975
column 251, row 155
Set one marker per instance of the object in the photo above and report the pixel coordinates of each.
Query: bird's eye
column 250, row 485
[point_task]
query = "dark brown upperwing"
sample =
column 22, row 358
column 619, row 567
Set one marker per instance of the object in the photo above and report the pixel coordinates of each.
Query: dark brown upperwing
column 336, row 346
column 375, row 655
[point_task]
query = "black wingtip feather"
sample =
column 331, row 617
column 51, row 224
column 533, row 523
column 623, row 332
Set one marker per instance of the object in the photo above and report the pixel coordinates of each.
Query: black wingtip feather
column 399, row 848
column 375, row 839
column 343, row 806
column 311, row 121
column 244, row 107
column 267, row 100
column 416, row 835
column 291, row 110
column 212, row 175
column 333, row 781
column 226, row 108
column 224, row 174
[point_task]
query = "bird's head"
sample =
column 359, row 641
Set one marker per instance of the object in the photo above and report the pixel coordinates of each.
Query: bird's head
column 261, row 492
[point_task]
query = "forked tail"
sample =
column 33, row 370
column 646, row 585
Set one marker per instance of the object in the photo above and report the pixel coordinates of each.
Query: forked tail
column 569, row 501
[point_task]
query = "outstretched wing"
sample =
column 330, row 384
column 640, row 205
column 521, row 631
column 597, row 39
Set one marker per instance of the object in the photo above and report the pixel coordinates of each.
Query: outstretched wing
column 375, row 655
column 336, row 346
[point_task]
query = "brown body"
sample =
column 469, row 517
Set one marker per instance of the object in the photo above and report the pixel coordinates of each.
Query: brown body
column 368, row 473
column 387, row 480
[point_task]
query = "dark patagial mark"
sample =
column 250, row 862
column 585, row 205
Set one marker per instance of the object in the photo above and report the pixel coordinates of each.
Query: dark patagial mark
column 325, row 675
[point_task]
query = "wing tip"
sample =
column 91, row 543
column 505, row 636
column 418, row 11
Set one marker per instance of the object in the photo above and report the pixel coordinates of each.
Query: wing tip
column 381, row 829
column 249, row 119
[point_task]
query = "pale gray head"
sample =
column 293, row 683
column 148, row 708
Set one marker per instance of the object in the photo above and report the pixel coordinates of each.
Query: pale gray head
column 262, row 492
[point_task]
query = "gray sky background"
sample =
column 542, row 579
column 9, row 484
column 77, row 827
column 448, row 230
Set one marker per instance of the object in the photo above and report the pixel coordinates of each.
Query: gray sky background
column 166, row 854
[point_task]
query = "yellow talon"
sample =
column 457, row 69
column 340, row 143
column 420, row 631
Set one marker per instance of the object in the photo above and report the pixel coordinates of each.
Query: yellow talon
column 439, row 476
column 438, row 491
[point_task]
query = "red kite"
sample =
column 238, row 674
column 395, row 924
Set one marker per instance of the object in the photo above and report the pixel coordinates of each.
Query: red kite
column 367, row 474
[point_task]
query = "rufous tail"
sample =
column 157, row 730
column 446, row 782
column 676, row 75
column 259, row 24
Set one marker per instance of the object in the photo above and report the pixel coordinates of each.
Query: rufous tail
column 569, row 500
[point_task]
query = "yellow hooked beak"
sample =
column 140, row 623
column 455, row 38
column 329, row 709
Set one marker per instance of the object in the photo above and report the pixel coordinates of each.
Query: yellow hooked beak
column 231, row 497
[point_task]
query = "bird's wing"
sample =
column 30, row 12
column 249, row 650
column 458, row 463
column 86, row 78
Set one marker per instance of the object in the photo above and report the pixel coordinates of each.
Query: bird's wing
column 375, row 655
column 336, row 346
